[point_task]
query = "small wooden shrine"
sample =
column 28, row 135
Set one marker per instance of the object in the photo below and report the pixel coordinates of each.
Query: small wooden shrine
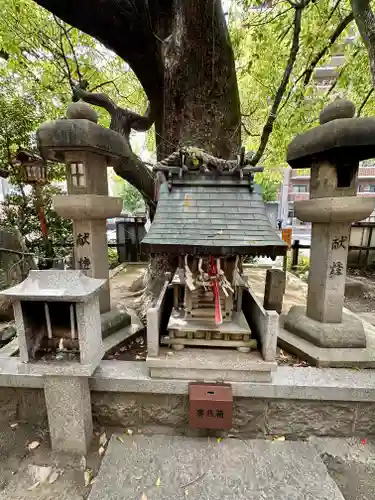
column 212, row 220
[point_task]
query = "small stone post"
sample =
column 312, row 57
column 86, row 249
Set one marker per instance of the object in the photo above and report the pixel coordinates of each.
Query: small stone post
column 274, row 290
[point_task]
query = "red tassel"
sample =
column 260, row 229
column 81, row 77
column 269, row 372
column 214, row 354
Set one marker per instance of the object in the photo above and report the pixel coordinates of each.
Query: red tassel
column 216, row 292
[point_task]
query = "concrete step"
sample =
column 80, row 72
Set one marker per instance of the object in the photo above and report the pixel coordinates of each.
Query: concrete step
column 173, row 467
column 210, row 365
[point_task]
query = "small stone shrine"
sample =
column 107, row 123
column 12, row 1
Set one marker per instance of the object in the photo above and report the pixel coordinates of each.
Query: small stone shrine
column 58, row 323
column 211, row 222
column 324, row 333
column 87, row 149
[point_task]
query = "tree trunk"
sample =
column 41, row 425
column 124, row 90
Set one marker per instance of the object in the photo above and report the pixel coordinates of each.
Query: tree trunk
column 181, row 53
column 201, row 101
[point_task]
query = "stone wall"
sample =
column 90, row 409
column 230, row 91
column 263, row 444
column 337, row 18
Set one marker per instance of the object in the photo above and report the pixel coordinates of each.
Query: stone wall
column 26, row 405
column 264, row 324
column 157, row 319
column 252, row 418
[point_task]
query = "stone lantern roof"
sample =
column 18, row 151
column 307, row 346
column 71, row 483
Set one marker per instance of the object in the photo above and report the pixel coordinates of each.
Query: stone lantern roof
column 79, row 132
column 340, row 138
column 216, row 215
column 55, row 285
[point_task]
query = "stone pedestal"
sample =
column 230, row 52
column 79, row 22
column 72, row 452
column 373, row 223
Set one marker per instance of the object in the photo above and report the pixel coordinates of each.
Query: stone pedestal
column 91, row 254
column 323, row 322
column 68, row 404
column 329, row 253
column 89, row 213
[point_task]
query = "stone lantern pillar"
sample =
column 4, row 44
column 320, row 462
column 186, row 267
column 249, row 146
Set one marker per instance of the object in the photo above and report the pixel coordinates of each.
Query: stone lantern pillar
column 87, row 149
column 322, row 331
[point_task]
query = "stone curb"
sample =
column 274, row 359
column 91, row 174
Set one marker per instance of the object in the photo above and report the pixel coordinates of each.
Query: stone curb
column 329, row 384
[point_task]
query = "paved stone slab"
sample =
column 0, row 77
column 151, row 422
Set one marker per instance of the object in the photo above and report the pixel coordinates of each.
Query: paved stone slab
column 350, row 463
column 163, row 468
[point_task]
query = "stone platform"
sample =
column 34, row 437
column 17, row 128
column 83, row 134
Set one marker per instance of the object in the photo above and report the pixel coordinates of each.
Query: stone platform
column 338, row 357
column 211, row 365
column 168, row 468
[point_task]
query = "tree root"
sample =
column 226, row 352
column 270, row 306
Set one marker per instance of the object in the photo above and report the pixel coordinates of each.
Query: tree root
column 153, row 282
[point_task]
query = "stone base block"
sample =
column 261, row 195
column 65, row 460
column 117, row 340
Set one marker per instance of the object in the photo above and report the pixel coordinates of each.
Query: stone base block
column 324, row 357
column 61, row 368
column 347, row 334
column 211, row 366
column 114, row 320
column 68, row 404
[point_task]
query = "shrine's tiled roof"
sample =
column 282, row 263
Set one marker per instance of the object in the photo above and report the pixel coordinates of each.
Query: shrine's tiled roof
column 215, row 216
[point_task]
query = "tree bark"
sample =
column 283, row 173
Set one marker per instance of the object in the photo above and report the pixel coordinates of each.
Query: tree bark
column 365, row 20
column 201, row 101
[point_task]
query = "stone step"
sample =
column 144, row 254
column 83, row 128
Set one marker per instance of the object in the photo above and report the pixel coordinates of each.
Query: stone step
column 172, row 467
column 207, row 364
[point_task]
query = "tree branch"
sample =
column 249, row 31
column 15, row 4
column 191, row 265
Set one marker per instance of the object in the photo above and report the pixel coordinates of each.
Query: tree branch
column 309, row 71
column 137, row 44
column 335, row 7
column 64, row 58
column 123, row 121
column 248, row 131
column 365, row 100
column 365, row 20
column 268, row 127
column 341, row 72
column 266, row 20
column 332, row 39
column 66, row 33
column 101, row 100
column 102, row 85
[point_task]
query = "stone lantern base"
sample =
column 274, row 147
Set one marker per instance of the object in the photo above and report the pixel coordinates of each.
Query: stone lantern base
column 349, row 344
column 348, row 333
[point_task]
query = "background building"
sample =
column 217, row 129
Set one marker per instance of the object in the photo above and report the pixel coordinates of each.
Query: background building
column 299, row 185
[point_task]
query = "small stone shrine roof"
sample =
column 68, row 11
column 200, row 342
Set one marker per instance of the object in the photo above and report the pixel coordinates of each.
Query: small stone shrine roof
column 215, row 215
column 55, row 286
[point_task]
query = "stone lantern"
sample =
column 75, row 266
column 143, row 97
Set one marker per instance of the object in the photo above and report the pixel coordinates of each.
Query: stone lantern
column 33, row 171
column 323, row 332
column 59, row 331
column 33, row 168
column 87, row 149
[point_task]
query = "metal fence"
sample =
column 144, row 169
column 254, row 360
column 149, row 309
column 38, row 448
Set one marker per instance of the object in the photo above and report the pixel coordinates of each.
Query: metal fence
column 126, row 242
column 361, row 252
column 130, row 231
